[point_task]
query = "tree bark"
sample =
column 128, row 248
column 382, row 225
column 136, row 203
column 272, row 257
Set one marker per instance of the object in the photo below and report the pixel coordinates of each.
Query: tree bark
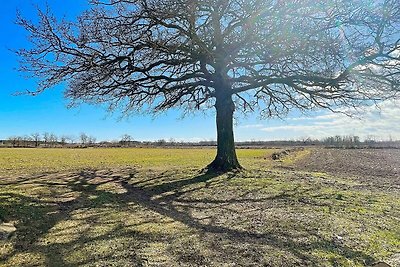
column 226, row 159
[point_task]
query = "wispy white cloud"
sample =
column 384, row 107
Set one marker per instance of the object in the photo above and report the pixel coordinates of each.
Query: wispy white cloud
column 252, row 126
column 381, row 123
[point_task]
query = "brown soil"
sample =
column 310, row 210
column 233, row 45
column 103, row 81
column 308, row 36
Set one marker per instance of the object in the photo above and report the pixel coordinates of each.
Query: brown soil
column 375, row 167
column 265, row 215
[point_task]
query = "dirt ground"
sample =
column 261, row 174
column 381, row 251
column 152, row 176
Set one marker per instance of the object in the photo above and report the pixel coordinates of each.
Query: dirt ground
column 311, row 208
column 374, row 167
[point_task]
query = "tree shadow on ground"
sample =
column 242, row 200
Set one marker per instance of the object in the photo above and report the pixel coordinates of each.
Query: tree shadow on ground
column 91, row 212
column 280, row 239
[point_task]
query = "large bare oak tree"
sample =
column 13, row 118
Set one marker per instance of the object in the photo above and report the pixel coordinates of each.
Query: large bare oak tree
column 268, row 56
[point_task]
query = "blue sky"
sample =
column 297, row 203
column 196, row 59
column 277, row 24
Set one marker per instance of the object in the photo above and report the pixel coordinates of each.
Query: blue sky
column 47, row 112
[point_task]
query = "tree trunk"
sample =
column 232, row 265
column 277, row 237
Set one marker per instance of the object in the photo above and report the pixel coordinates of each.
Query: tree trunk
column 226, row 159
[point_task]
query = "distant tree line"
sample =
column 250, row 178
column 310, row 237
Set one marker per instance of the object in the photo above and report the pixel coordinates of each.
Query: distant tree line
column 83, row 140
column 47, row 139
column 353, row 141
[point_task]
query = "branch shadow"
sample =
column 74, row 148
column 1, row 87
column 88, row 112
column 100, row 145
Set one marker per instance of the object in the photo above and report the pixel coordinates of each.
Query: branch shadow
column 168, row 206
column 35, row 218
column 161, row 196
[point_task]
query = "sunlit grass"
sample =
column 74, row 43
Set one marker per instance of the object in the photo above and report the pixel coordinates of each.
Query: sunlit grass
column 132, row 207
column 29, row 161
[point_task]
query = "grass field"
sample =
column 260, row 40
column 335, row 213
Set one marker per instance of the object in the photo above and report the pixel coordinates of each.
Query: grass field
column 30, row 161
column 154, row 207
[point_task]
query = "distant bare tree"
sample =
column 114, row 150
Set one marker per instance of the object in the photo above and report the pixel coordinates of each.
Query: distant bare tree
column 36, row 138
column 53, row 139
column 19, row 141
column 126, row 139
column 63, row 139
column 161, row 142
column 370, row 140
column 172, row 141
column 269, row 56
column 91, row 140
column 46, row 138
column 84, row 138
column 13, row 140
column 26, row 139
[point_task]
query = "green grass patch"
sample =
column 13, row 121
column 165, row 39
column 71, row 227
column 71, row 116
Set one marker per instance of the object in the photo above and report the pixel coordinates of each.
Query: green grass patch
column 138, row 207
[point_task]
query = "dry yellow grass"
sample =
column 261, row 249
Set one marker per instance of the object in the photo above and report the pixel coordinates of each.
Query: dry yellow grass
column 152, row 207
column 31, row 161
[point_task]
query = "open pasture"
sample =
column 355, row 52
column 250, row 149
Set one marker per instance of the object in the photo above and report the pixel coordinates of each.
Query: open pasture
column 154, row 207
